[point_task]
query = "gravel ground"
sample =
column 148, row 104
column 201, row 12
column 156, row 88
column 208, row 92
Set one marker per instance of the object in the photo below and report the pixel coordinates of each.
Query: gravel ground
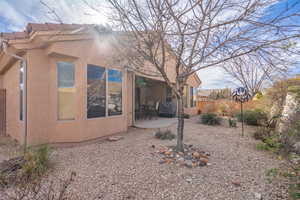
column 128, row 168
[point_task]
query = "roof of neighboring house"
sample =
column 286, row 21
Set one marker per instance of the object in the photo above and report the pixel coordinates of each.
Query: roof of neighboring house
column 33, row 27
column 204, row 93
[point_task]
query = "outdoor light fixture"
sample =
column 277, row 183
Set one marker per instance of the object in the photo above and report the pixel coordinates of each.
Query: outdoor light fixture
column 241, row 95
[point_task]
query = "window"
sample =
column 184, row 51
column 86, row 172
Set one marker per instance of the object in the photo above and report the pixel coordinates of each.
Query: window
column 114, row 92
column 191, row 96
column 66, row 90
column 21, row 87
column 96, row 91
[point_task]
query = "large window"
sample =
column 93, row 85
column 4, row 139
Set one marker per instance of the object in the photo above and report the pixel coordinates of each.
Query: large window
column 66, row 90
column 96, row 91
column 114, row 92
column 21, row 87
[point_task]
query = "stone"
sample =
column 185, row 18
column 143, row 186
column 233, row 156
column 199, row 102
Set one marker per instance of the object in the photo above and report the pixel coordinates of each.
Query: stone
column 296, row 147
column 114, row 138
column 257, row 196
column 169, row 161
column 202, row 164
column 189, row 163
column 194, row 164
column 162, row 150
column 161, row 162
column 203, row 156
column 167, row 153
column 189, row 180
column 188, row 157
column 204, row 160
column 236, row 183
column 289, row 111
column 196, row 155
column 181, row 153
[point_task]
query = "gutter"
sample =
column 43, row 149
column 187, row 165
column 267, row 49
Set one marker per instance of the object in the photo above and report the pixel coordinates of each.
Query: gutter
column 4, row 47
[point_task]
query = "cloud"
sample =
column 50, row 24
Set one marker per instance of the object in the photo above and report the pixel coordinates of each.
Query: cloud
column 15, row 17
column 215, row 78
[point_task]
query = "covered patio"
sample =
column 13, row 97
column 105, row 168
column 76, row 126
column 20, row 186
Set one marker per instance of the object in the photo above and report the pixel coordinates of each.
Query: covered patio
column 153, row 102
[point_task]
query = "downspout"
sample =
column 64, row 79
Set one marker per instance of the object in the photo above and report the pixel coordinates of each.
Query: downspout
column 4, row 46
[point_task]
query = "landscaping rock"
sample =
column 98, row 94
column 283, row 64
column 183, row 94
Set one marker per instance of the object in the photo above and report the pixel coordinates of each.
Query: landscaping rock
column 236, row 183
column 190, row 158
column 297, row 147
column 257, row 196
column 189, row 163
column 114, row 138
column 196, row 155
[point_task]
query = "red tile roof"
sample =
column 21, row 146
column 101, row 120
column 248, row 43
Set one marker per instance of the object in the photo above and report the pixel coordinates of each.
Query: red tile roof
column 33, row 27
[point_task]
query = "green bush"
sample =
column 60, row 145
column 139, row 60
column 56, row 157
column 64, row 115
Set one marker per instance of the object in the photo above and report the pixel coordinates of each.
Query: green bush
column 253, row 117
column 210, row 119
column 164, row 135
column 232, row 123
column 186, row 116
column 262, row 133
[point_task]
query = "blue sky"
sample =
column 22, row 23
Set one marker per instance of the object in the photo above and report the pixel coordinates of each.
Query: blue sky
column 15, row 14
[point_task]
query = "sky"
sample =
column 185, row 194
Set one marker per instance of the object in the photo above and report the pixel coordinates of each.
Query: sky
column 15, row 14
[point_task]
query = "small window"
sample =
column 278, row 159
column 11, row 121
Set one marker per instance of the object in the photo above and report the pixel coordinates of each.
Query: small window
column 96, row 91
column 192, row 96
column 21, row 87
column 66, row 90
column 114, row 92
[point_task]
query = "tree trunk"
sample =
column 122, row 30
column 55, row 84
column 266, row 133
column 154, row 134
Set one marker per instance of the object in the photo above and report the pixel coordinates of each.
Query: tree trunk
column 180, row 124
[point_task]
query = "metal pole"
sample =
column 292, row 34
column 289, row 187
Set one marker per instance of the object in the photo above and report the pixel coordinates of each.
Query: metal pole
column 242, row 116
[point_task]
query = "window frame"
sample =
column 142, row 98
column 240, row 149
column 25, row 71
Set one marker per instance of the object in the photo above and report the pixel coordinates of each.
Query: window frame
column 57, row 89
column 107, row 92
column 106, row 97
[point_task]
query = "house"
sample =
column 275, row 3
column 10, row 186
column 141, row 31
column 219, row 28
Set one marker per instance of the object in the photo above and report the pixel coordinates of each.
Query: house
column 59, row 84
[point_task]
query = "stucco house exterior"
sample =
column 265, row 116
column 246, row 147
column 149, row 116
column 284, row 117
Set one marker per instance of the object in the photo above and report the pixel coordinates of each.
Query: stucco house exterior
column 73, row 91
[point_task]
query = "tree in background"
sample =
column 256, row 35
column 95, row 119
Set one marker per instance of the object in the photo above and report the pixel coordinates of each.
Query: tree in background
column 191, row 35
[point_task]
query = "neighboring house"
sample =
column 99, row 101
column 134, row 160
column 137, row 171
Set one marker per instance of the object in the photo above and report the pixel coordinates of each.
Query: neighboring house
column 75, row 90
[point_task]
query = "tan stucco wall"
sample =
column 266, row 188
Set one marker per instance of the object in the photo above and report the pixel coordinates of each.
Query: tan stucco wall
column 10, row 82
column 43, row 125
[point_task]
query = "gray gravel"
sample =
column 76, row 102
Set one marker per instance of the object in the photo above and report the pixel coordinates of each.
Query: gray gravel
column 129, row 168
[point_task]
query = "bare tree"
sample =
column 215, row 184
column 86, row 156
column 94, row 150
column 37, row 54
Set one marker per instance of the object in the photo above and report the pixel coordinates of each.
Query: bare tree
column 190, row 35
column 254, row 72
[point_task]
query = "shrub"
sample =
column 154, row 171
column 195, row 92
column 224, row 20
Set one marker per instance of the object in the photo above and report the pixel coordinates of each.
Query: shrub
column 253, row 117
column 271, row 143
column 36, row 161
column 262, row 133
column 232, row 123
column 186, row 116
column 210, row 119
column 164, row 135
